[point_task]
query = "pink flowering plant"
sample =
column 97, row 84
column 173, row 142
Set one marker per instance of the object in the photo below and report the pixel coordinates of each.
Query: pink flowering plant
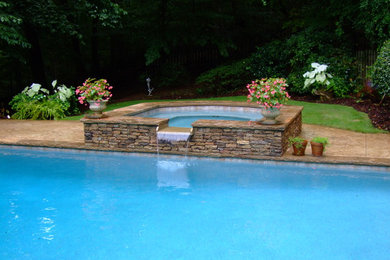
column 93, row 89
column 268, row 92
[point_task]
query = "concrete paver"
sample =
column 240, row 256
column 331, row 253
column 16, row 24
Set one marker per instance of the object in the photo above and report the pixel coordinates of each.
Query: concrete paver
column 345, row 146
column 32, row 132
column 349, row 143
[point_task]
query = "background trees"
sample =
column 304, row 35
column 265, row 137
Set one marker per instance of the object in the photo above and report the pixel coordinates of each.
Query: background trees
column 174, row 41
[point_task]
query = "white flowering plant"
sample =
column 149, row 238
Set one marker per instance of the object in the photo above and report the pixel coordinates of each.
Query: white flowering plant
column 36, row 102
column 318, row 77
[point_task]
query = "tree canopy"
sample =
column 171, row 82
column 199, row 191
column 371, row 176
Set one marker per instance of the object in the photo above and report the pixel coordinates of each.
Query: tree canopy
column 41, row 40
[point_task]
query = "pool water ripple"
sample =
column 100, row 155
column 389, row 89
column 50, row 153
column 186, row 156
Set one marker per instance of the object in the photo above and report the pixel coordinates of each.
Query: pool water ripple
column 67, row 204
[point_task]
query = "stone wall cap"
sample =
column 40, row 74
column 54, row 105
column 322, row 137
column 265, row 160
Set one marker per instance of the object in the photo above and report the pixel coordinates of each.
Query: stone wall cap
column 123, row 115
column 130, row 120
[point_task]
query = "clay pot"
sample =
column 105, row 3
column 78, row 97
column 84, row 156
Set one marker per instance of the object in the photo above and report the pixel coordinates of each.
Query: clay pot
column 300, row 150
column 317, row 149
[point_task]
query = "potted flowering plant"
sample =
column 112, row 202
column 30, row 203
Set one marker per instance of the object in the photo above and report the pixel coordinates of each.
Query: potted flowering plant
column 96, row 93
column 270, row 94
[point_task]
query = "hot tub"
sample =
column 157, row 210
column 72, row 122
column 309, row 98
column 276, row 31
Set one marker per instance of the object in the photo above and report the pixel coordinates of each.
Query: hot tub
column 184, row 116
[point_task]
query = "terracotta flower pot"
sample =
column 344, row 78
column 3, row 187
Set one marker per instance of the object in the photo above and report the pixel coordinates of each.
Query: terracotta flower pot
column 317, row 149
column 299, row 148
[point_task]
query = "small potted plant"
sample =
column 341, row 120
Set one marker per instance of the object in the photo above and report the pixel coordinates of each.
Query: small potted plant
column 270, row 94
column 318, row 145
column 298, row 144
column 96, row 93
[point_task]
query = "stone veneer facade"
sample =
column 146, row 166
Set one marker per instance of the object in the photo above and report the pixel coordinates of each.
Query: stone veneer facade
column 217, row 138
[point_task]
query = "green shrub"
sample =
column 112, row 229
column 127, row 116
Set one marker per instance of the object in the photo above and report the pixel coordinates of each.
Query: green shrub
column 380, row 71
column 339, row 87
column 223, row 79
column 307, row 47
column 292, row 58
column 269, row 61
column 35, row 103
column 170, row 75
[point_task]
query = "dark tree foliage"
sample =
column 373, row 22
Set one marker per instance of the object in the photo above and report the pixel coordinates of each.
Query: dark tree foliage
column 125, row 40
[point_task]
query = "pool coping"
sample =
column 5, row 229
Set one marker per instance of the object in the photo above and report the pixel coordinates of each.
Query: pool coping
column 332, row 160
column 385, row 167
column 125, row 114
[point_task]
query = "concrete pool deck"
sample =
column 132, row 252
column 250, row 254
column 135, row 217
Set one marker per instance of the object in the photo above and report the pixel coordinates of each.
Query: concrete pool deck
column 346, row 147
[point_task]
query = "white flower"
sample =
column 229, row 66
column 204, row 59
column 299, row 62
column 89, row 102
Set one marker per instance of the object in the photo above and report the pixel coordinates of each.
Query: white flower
column 54, row 83
column 322, row 68
column 35, row 87
column 318, row 75
column 315, row 65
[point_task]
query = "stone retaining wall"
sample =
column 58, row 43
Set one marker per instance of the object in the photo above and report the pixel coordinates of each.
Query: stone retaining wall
column 210, row 138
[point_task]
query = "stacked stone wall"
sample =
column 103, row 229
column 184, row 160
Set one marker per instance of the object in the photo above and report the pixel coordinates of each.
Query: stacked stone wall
column 247, row 142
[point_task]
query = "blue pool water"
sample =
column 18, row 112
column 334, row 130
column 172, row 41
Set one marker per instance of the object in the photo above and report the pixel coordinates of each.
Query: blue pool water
column 186, row 115
column 66, row 204
column 187, row 120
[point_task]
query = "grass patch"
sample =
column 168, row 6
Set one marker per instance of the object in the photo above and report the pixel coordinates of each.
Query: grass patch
column 336, row 116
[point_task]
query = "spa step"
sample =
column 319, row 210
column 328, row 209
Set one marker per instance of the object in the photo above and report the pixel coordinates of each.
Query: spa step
column 174, row 134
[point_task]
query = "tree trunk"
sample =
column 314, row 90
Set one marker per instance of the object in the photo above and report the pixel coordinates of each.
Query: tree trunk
column 94, row 48
column 78, row 60
column 115, row 51
column 35, row 60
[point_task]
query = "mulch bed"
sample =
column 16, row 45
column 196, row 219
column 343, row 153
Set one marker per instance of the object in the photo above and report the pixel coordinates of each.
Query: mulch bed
column 379, row 114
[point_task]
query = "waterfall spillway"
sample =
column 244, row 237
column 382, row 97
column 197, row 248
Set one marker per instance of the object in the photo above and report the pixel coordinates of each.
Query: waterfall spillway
column 170, row 134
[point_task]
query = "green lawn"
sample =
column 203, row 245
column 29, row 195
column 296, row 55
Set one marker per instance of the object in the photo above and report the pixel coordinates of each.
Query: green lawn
column 337, row 116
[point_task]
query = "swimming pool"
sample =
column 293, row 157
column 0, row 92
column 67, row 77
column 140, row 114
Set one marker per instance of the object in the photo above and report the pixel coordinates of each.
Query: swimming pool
column 184, row 116
column 67, row 204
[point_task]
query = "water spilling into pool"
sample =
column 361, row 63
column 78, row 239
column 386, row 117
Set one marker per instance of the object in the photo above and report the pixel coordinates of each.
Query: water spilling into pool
column 66, row 204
